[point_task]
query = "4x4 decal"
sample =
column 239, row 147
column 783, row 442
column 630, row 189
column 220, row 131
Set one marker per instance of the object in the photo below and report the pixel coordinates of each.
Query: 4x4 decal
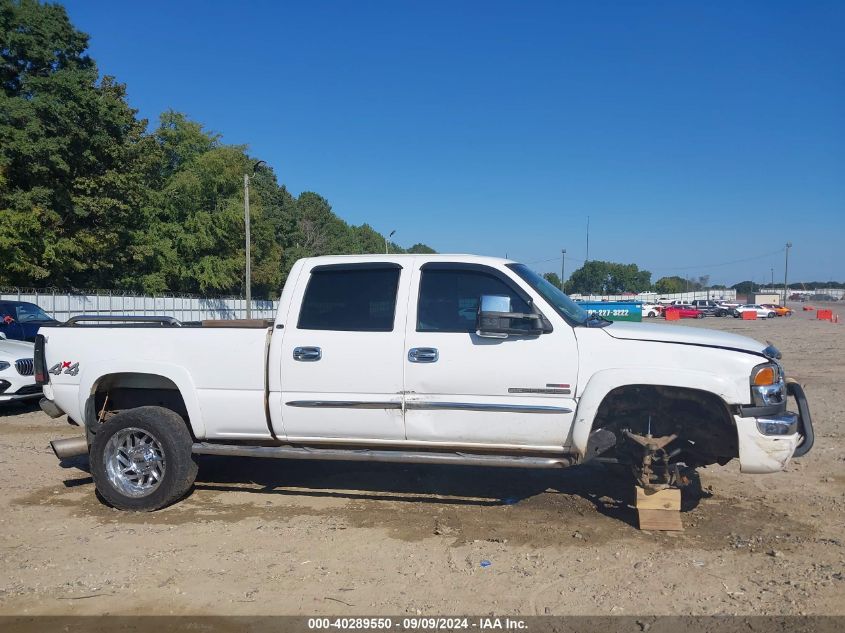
column 71, row 369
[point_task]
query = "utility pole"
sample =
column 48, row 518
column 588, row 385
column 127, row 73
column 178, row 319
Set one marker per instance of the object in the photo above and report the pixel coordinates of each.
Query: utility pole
column 588, row 240
column 562, row 267
column 386, row 245
column 773, row 277
column 248, row 275
column 786, row 272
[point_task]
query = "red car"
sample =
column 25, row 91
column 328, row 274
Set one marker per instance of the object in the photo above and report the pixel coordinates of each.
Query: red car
column 685, row 311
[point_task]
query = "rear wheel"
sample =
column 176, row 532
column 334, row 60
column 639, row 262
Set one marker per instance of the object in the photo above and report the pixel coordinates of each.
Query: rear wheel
column 771, row 315
column 141, row 459
column 700, row 315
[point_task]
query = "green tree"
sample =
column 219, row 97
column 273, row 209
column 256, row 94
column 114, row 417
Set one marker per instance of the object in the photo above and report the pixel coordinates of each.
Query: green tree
column 552, row 278
column 669, row 285
column 421, row 249
column 744, row 287
column 599, row 277
column 89, row 199
column 73, row 157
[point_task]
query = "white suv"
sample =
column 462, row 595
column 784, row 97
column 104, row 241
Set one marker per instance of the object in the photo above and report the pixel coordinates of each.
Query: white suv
column 17, row 381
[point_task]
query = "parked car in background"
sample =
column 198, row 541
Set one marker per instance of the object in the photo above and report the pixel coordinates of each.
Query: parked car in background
column 20, row 320
column 652, row 310
column 762, row 313
column 710, row 307
column 779, row 310
column 685, row 311
column 17, row 379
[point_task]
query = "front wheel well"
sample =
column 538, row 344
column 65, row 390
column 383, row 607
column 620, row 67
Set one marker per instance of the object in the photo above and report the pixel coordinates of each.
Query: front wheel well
column 701, row 419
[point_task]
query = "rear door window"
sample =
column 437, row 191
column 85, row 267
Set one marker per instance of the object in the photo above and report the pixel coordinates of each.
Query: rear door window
column 350, row 299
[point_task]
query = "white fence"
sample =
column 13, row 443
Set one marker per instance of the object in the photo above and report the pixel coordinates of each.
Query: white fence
column 62, row 305
column 652, row 297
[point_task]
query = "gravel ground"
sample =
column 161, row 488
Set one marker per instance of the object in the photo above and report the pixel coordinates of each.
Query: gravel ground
column 275, row 537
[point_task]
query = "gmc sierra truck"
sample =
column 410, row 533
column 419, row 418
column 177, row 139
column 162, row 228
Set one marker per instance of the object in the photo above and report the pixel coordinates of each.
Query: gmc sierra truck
column 432, row 359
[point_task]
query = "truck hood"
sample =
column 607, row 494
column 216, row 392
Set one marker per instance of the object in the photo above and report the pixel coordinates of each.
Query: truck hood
column 683, row 336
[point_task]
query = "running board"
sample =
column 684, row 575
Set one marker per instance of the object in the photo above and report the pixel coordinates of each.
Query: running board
column 395, row 456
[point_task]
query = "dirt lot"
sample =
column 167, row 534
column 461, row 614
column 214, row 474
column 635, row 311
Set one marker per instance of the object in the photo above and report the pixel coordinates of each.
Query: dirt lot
column 271, row 537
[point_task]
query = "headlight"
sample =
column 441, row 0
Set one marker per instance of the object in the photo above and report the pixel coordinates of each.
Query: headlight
column 767, row 385
column 764, row 375
column 4, row 365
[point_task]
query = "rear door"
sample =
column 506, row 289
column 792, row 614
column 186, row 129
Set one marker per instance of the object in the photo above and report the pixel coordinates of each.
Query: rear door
column 342, row 367
column 464, row 389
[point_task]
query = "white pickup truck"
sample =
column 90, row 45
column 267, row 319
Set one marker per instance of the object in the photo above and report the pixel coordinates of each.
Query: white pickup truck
column 434, row 359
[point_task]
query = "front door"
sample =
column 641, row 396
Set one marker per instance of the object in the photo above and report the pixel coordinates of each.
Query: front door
column 462, row 388
column 342, row 354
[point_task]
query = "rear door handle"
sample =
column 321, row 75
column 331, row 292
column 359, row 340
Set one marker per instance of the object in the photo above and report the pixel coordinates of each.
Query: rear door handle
column 307, row 354
column 423, row 355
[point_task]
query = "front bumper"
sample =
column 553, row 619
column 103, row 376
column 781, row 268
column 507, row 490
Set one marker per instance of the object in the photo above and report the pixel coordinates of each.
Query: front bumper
column 767, row 442
column 14, row 387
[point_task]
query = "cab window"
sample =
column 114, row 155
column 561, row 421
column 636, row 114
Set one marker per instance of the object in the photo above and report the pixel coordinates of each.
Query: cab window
column 350, row 299
column 448, row 299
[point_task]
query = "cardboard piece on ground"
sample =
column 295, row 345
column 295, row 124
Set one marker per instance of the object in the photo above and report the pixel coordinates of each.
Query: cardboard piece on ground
column 659, row 510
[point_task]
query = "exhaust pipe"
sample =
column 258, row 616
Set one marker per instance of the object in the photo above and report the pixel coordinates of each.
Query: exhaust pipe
column 73, row 447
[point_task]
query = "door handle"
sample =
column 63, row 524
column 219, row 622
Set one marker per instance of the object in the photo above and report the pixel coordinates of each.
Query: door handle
column 423, row 355
column 307, row 354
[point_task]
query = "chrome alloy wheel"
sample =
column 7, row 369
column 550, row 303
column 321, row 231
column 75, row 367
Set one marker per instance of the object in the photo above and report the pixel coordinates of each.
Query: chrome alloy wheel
column 134, row 462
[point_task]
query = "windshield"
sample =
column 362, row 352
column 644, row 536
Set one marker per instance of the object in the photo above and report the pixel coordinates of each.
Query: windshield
column 564, row 306
column 31, row 312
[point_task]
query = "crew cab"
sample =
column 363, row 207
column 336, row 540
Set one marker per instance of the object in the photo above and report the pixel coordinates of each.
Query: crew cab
column 434, row 359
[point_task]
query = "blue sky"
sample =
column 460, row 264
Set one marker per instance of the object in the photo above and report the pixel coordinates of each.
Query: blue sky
column 694, row 134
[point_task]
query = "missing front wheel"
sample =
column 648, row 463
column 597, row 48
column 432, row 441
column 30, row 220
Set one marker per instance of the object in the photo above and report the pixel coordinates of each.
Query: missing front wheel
column 651, row 460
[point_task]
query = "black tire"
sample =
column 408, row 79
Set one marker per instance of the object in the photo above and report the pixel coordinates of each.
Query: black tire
column 772, row 315
column 700, row 315
column 173, row 440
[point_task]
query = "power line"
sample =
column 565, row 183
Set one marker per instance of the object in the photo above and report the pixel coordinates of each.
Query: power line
column 735, row 261
column 695, row 267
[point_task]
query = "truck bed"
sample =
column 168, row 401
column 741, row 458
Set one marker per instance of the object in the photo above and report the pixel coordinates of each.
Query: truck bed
column 222, row 366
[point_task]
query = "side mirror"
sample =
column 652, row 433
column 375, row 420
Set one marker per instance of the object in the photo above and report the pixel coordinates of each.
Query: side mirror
column 495, row 319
